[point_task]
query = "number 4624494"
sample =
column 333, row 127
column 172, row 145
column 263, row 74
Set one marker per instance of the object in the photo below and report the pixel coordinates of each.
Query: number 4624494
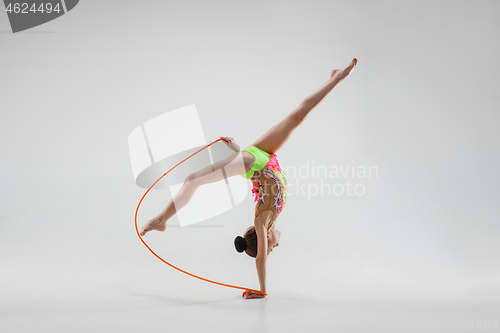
column 23, row 8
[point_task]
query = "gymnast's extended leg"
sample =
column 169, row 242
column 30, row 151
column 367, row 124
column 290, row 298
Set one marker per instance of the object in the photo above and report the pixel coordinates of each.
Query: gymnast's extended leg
column 236, row 164
column 277, row 135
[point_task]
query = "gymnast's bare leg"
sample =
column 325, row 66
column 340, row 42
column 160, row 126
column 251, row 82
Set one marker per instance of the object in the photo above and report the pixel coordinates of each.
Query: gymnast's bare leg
column 242, row 161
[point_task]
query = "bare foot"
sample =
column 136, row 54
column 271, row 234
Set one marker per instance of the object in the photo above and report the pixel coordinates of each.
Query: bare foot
column 154, row 224
column 342, row 74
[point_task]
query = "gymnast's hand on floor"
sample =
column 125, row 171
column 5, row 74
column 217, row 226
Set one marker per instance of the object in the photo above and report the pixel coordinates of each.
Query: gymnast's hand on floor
column 230, row 143
column 247, row 294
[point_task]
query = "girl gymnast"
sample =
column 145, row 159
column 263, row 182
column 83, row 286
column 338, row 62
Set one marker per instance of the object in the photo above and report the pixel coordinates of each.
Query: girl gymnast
column 259, row 163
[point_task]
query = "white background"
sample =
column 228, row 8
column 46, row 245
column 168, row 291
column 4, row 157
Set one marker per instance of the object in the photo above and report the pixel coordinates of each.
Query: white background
column 422, row 107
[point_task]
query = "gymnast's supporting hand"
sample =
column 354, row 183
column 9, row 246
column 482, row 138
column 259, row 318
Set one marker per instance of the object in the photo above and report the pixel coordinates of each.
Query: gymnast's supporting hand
column 248, row 294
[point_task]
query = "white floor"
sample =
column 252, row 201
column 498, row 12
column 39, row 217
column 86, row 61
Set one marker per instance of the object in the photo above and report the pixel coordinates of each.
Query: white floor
column 115, row 302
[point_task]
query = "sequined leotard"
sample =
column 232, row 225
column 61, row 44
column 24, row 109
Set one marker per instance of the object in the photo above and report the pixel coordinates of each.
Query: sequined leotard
column 268, row 182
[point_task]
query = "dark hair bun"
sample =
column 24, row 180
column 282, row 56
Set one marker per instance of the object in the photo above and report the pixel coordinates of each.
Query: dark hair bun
column 240, row 244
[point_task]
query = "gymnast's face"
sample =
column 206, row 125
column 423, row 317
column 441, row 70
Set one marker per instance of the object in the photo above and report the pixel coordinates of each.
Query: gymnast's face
column 273, row 238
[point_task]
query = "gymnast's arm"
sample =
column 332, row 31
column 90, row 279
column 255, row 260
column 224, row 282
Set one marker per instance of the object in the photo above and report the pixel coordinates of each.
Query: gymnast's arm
column 261, row 259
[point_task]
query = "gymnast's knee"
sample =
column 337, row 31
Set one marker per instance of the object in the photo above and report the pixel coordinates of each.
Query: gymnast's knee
column 192, row 179
column 296, row 119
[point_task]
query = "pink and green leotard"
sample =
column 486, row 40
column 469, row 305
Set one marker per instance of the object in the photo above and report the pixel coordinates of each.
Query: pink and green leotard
column 268, row 180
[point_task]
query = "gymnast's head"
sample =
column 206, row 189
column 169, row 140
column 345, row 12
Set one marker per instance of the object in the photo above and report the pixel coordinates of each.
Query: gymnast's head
column 248, row 242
